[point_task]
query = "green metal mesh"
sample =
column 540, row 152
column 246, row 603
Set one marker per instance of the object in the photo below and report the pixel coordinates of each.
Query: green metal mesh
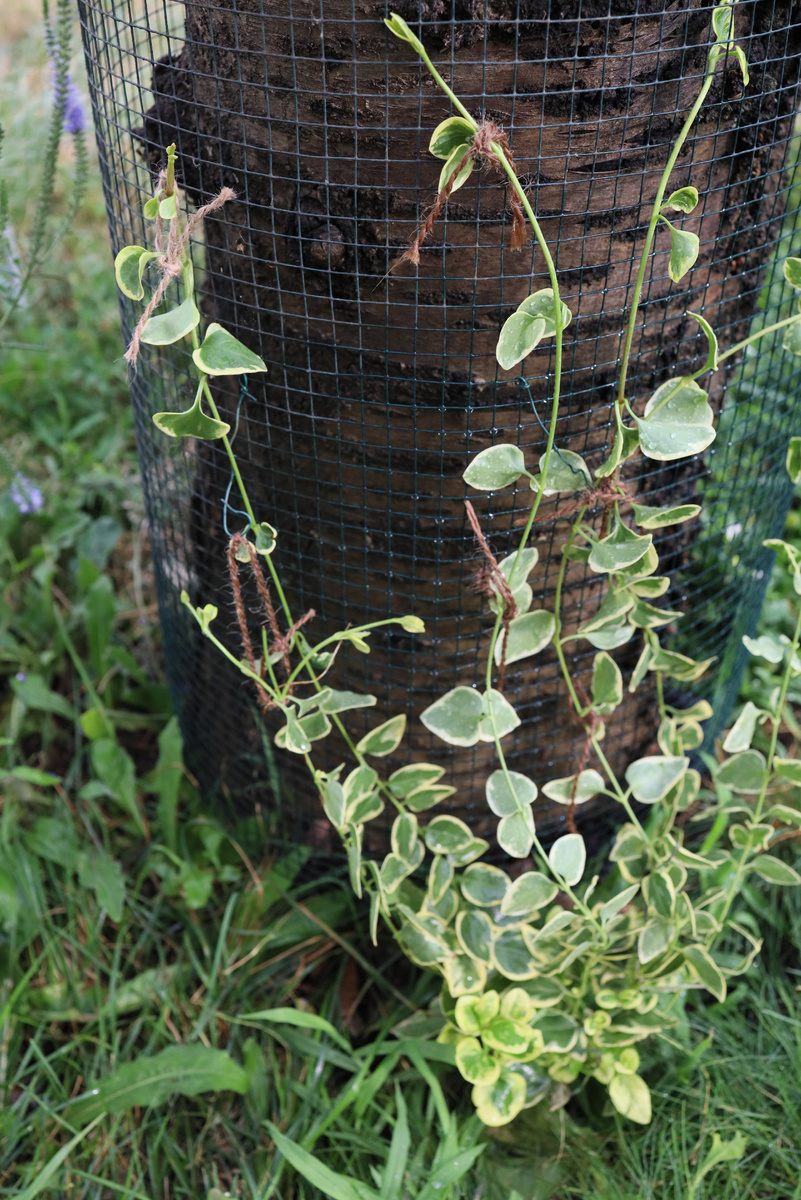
column 383, row 383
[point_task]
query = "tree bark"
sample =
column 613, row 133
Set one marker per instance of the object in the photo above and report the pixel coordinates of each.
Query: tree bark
column 382, row 382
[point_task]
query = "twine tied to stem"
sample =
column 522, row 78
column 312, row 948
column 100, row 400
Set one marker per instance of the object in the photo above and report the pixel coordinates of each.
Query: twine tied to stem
column 170, row 262
column 493, row 582
column 481, row 149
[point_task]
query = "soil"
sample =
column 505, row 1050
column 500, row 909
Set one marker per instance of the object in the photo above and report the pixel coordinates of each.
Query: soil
column 382, row 380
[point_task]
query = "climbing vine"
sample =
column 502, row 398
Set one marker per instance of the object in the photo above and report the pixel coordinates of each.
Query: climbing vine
column 549, row 978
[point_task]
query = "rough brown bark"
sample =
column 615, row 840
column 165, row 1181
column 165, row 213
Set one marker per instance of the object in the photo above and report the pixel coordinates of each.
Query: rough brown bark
column 381, row 385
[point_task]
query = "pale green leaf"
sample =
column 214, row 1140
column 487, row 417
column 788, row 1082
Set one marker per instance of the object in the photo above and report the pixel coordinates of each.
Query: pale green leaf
column 706, row 970
column 516, row 834
column 651, row 778
column 631, row 1098
column 449, row 135
column 684, row 247
column 450, row 166
column 509, row 795
column 607, row 684
column 568, row 856
column 496, row 467
column 171, row 326
column 745, row 772
column 590, row 783
column 191, row 423
column 677, row 421
column 220, row 353
column 658, row 518
column 483, row 885
column 129, row 267
column 499, row 717
column 683, row 200
column 773, row 870
column 520, row 334
column 621, row 548
column 527, row 635
column 456, row 716
column 741, row 733
column 385, row 738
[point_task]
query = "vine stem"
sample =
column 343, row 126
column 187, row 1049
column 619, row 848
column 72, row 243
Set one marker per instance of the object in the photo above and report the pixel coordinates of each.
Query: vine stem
column 649, row 237
column 736, row 882
column 557, row 637
column 760, row 333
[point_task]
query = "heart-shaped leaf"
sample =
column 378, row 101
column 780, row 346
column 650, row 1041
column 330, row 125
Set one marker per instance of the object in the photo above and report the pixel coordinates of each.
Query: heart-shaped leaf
column 220, row 353
column 607, row 684
column 502, row 721
column 447, row 835
column 677, row 422
column 168, row 207
column 496, row 467
column 745, row 772
column 171, row 326
column 192, row 423
column 129, row 267
column 484, row 886
column 456, row 716
column 529, row 893
column 541, row 305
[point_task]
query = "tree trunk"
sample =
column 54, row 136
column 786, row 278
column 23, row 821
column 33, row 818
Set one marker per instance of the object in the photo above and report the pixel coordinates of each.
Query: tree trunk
column 382, row 381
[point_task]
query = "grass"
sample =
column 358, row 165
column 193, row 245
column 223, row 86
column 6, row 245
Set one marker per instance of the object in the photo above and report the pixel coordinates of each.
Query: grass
column 140, row 939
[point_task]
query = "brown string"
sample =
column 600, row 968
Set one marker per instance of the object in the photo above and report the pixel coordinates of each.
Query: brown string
column 607, row 493
column 494, row 581
column 241, row 617
column 171, row 262
column 481, row 148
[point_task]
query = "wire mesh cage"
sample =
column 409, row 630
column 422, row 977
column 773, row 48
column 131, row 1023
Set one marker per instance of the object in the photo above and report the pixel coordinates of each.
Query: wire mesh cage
column 383, row 382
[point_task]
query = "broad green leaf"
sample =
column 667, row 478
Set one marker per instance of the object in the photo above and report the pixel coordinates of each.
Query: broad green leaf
column 456, row 716
column 34, row 693
column 300, row 1020
column 607, row 684
column 450, row 166
column 528, row 635
column 114, row 767
column 512, row 956
column 590, row 783
column 506, row 1035
column 129, row 267
column 773, row 870
column 567, row 856
column 683, row 200
column 503, row 719
column 423, row 948
column 651, row 778
column 788, row 769
column 661, row 894
column 499, row 1103
column 567, row 472
column 684, row 247
column 187, row 1070
column 707, row 970
column 168, row 207
column 722, row 21
column 449, row 135
column 447, row 835
column 171, row 326
column 476, row 1064
column 711, row 363
column 483, row 885
column 150, row 209
column 792, row 271
column 220, row 353
column 463, row 975
column 638, row 571
column 475, row 850
column 504, row 799
column 330, row 1183
column 384, row 739
column 659, row 518
column 540, row 304
column 621, row 548
column 765, row 646
column 678, row 421
column 191, row 423
column 474, row 931
column 530, row 892
column 337, row 702
column 103, row 874
column 615, row 605
column 299, row 733
column 559, row 1031
column 744, row 772
column 496, row 467
column 719, row 1152
column 416, row 775
column 516, row 834
column 610, row 636
column 741, row 733
column 631, row 1098
column 520, row 334
column 793, row 460
column 792, row 337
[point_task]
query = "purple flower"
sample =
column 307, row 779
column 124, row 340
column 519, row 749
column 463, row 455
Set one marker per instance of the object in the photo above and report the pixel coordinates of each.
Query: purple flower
column 74, row 116
column 27, row 497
